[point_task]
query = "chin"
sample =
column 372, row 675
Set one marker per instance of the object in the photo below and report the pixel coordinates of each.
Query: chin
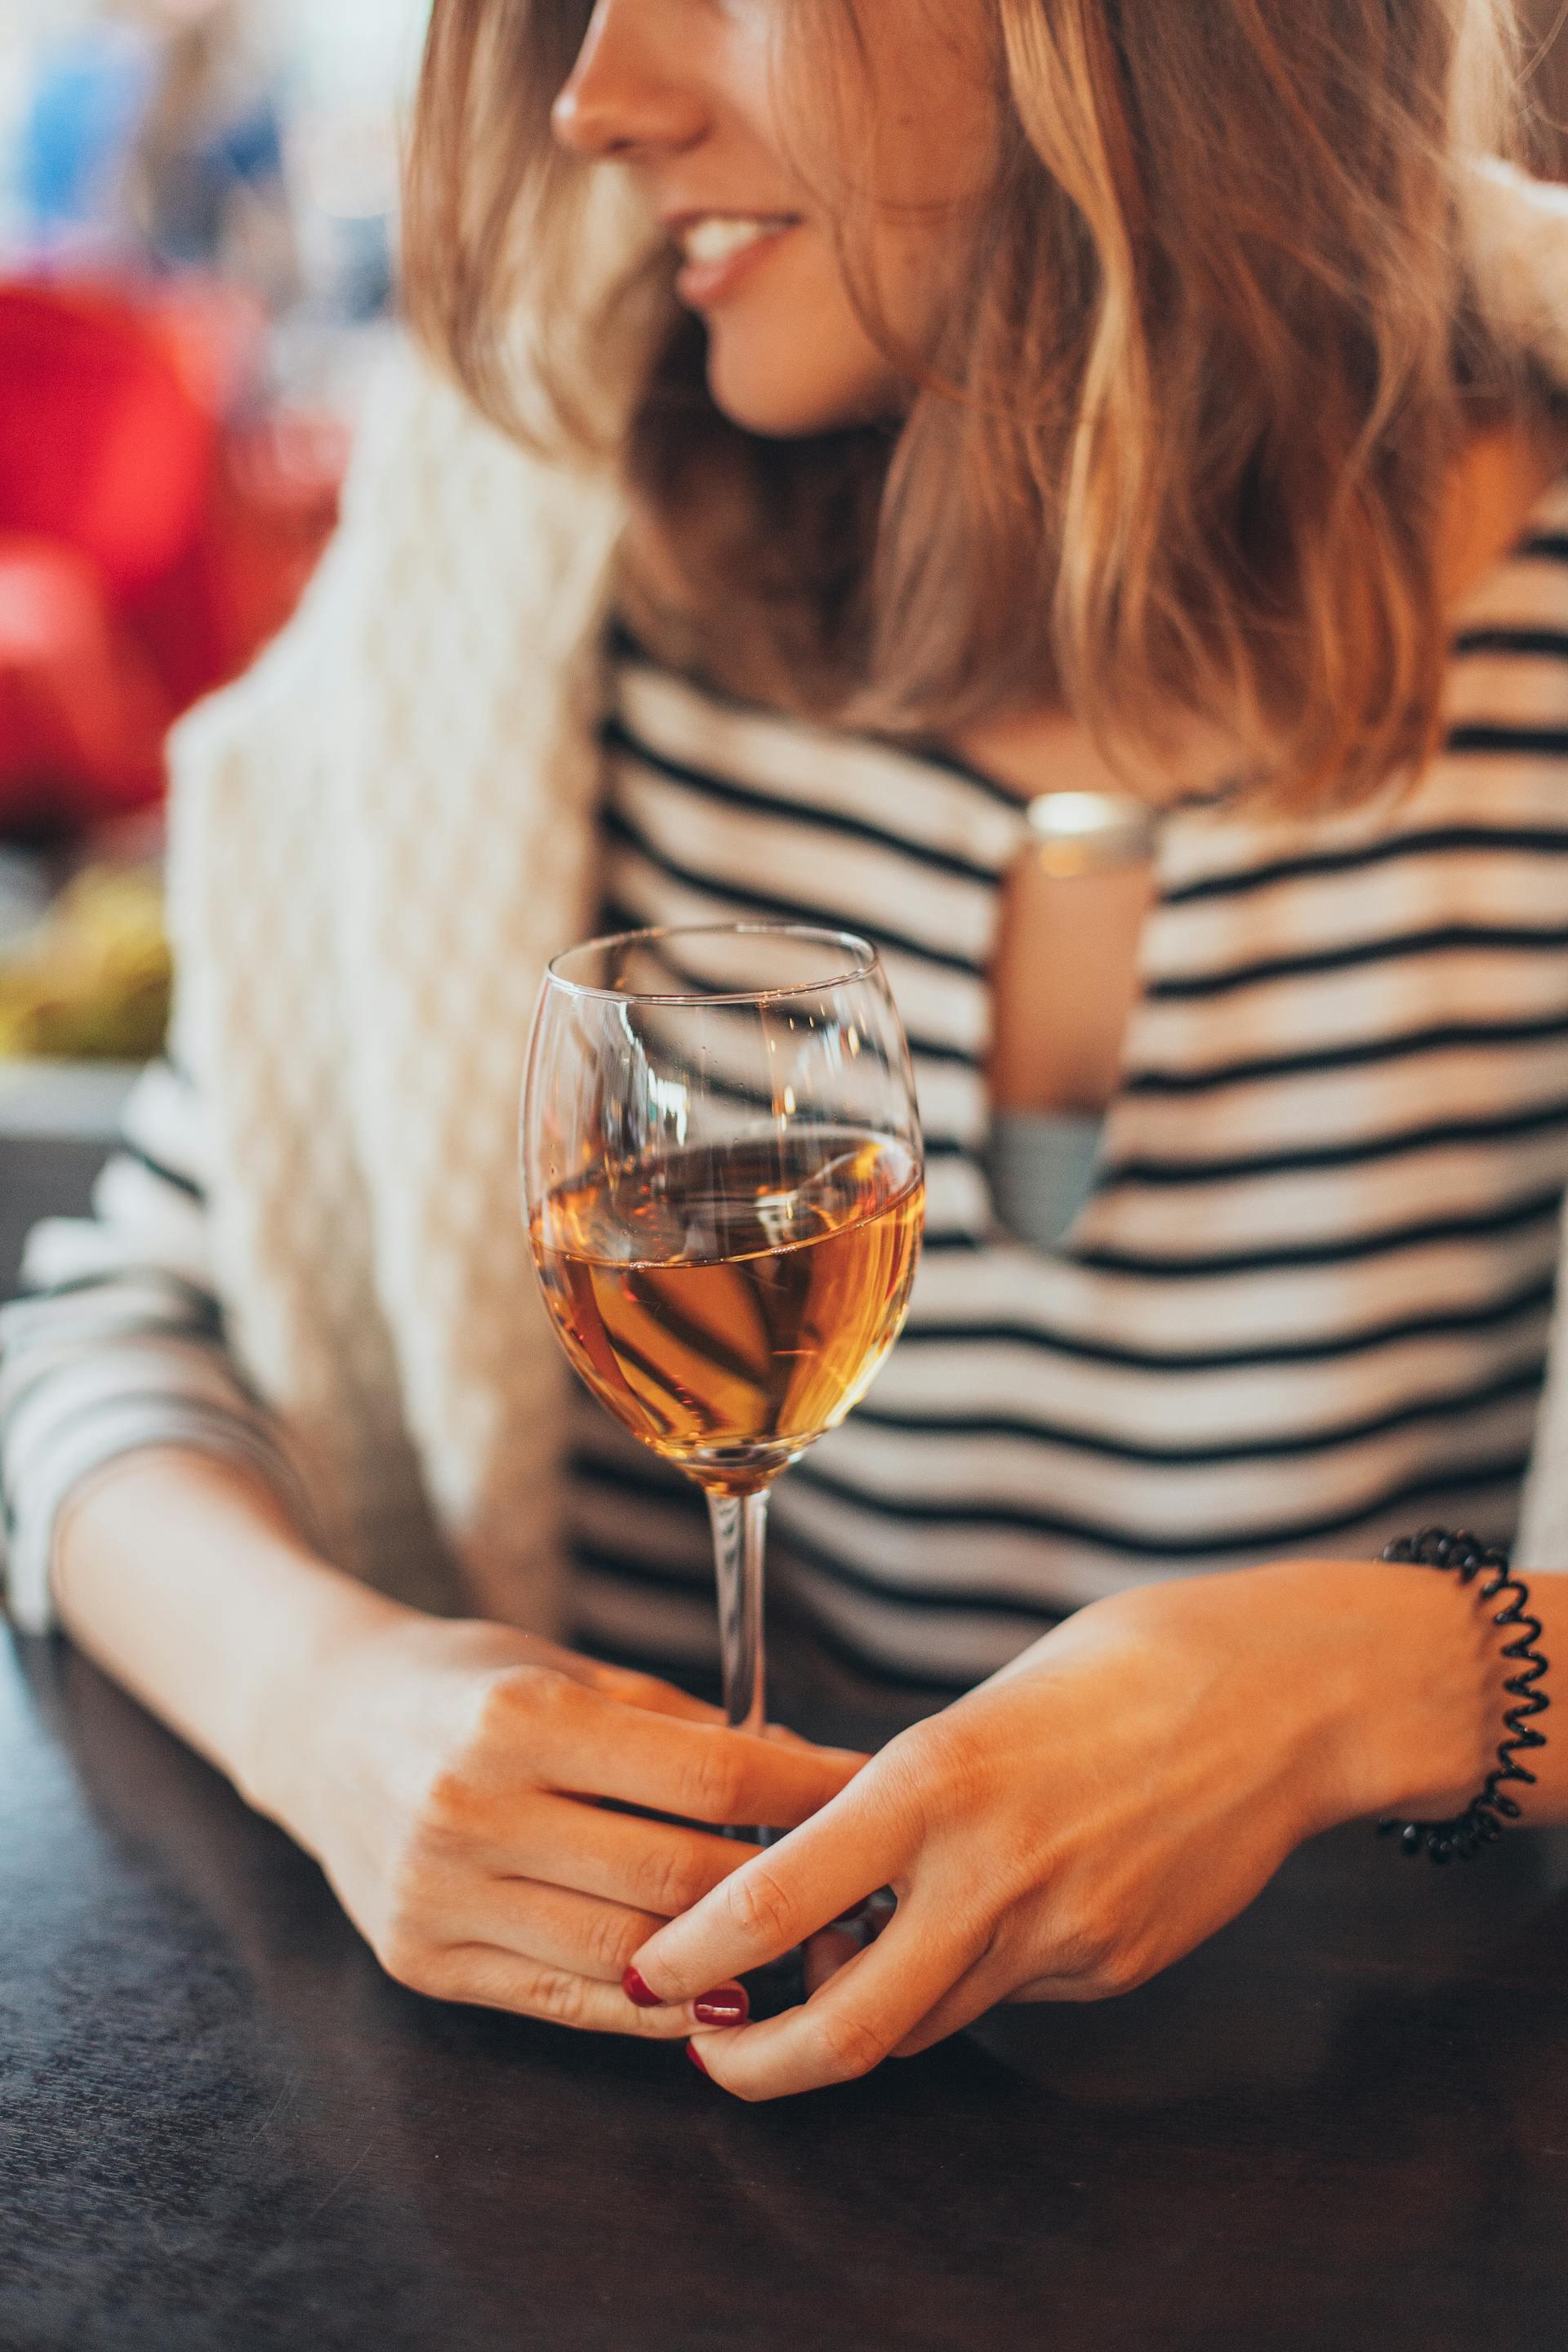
column 780, row 397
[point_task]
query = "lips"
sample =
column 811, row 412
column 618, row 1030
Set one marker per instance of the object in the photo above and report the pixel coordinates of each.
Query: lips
column 721, row 250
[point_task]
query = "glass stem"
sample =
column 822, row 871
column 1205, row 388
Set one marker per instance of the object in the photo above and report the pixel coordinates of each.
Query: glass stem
column 739, row 1532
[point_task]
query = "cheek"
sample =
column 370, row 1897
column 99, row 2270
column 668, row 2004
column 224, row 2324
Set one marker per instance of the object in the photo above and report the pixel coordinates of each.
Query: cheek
column 789, row 356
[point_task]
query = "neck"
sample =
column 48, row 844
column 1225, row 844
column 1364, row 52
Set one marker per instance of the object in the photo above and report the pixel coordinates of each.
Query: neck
column 1498, row 482
column 1503, row 474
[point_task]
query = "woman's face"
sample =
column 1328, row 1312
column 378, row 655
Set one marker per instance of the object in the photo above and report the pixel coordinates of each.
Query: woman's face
column 687, row 95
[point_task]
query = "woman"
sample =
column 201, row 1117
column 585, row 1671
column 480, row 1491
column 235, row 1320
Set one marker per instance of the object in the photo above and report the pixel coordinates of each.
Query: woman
column 1068, row 399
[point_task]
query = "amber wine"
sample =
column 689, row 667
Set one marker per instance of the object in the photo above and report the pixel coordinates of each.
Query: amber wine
column 730, row 1304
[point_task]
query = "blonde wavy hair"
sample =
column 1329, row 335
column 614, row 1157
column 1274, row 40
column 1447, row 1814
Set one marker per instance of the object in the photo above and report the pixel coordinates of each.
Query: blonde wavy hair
column 1181, row 455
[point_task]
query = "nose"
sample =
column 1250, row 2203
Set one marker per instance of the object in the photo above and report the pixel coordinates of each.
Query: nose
column 627, row 95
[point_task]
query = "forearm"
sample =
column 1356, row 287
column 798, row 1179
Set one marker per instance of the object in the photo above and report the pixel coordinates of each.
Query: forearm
column 181, row 1577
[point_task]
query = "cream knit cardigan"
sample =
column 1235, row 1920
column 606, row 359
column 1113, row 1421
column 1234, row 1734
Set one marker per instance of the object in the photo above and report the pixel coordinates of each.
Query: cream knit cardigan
column 378, row 838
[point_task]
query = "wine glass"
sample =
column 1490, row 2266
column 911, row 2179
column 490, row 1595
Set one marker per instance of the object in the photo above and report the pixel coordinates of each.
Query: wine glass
column 723, row 1181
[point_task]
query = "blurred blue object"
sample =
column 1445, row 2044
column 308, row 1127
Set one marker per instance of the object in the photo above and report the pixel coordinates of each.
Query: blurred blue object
column 158, row 145
column 79, row 134
column 198, row 184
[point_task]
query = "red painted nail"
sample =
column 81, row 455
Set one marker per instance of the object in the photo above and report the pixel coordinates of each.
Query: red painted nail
column 635, row 1989
column 696, row 2057
column 728, row 2007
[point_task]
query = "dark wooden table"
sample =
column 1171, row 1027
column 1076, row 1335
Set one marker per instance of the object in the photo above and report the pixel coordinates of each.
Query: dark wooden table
column 1344, row 2124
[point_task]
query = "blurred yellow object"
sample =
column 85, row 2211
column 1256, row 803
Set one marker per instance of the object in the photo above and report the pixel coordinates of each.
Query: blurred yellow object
column 92, row 981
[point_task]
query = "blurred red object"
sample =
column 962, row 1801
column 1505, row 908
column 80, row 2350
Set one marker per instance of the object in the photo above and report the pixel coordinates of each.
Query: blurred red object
column 275, row 508
column 82, row 713
column 146, row 550
column 102, row 445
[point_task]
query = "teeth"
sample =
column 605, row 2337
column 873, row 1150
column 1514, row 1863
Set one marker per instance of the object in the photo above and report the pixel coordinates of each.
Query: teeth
column 716, row 238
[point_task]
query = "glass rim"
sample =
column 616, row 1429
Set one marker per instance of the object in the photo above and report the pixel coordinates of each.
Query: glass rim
column 867, row 965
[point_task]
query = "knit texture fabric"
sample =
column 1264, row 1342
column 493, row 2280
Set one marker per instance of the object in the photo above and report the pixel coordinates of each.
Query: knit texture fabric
column 378, row 839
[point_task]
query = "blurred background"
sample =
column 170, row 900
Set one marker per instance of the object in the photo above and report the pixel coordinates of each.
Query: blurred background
column 197, row 224
column 197, row 227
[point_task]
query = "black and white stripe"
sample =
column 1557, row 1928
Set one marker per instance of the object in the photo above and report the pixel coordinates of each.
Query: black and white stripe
column 1306, row 1304
column 118, row 1343
column 1308, row 1300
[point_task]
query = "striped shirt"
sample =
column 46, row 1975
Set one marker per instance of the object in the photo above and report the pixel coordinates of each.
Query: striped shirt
column 1304, row 1308
column 118, row 1342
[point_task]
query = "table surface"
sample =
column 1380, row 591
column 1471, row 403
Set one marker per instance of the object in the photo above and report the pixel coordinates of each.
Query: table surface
column 1344, row 2123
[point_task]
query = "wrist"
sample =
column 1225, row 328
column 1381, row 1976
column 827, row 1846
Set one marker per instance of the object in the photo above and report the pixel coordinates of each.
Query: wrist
column 1411, row 1683
column 297, row 1696
column 180, row 1574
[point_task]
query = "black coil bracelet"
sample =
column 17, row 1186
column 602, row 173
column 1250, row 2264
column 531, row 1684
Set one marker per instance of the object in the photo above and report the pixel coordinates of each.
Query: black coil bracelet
column 1482, row 1822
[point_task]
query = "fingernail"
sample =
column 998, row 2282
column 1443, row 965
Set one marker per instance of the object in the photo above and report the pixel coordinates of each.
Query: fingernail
column 635, row 1989
column 696, row 2057
column 728, row 2007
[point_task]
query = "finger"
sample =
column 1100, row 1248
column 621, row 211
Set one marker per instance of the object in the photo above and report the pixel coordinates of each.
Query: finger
column 651, row 1866
column 788, row 1738
column 653, row 1696
column 858, row 2019
column 586, row 1743
column 975, row 1992
column 583, row 1934
column 574, row 1933
column 830, row 1949
column 656, row 1697
column 633, row 1688
column 624, row 1684
column 876, row 1912
column 856, row 1845
column 486, row 1977
column 833, row 1947
column 662, row 1698
column 1069, row 1989
column 986, row 1988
